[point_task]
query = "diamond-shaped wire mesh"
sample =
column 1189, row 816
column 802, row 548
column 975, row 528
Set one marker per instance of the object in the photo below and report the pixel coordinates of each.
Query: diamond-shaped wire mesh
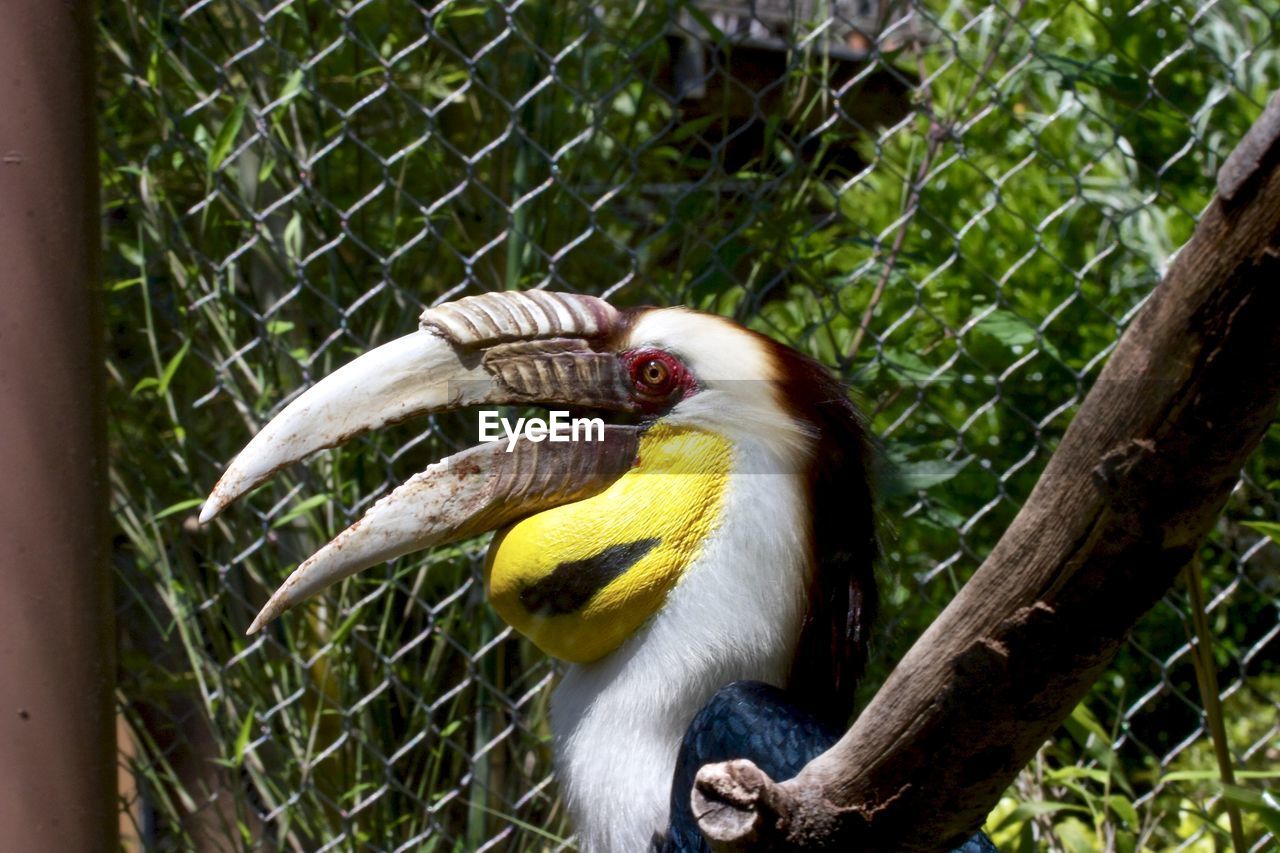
column 956, row 205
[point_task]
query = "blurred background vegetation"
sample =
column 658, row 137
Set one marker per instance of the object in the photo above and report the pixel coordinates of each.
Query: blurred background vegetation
column 956, row 205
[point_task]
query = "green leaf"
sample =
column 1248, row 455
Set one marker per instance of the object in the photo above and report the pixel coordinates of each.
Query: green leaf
column 345, row 627
column 1264, row 804
column 301, row 509
column 1085, row 723
column 454, row 13
column 242, row 738
column 293, row 237
column 1214, row 775
column 1127, row 88
column 1013, row 331
column 226, row 136
column 292, row 86
column 1085, row 729
column 913, row 368
column 1096, row 774
column 1026, row 811
column 1269, row 529
column 714, row 33
column 174, row 509
column 904, row 478
column 268, row 166
column 1123, row 809
column 132, row 254
column 692, row 127
column 1007, row 328
column 1076, row 836
column 941, row 516
column 124, row 284
column 171, row 368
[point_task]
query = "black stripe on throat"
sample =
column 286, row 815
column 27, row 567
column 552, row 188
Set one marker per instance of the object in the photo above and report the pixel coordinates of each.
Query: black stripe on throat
column 571, row 584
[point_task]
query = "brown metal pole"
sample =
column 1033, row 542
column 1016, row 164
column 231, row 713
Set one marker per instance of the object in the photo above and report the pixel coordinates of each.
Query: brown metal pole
column 57, row 643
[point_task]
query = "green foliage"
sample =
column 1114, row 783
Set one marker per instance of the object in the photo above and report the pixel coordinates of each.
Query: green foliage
column 285, row 186
column 1128, row 806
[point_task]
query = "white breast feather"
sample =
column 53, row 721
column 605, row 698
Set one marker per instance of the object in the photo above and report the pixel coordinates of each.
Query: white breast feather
column 735, row 614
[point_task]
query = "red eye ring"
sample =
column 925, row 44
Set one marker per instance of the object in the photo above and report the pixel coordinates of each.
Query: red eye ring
column 656, row 375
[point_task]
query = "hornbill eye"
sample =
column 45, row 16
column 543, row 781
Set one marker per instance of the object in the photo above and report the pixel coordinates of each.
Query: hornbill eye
column 657, row 376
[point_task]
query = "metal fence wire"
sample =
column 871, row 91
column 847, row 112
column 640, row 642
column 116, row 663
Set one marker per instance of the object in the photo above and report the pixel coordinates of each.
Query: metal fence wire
column 956, row 205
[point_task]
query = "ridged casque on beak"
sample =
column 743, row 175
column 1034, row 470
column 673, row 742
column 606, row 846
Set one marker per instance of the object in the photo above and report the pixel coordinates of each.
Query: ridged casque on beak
column 529, row 348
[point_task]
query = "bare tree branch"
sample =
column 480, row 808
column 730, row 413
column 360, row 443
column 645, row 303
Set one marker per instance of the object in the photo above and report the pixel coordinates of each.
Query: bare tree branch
column 1124, row 503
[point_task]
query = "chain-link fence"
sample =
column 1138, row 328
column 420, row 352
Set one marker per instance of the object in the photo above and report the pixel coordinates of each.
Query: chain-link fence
column 956, row 205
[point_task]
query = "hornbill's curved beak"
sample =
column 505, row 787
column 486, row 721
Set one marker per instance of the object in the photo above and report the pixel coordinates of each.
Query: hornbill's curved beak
column 497, row 349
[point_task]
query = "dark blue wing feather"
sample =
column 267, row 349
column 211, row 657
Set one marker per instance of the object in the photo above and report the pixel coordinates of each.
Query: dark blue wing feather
column 756, row 721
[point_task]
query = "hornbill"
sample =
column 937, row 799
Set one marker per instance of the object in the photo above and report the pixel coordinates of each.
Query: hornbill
column 708, row 557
